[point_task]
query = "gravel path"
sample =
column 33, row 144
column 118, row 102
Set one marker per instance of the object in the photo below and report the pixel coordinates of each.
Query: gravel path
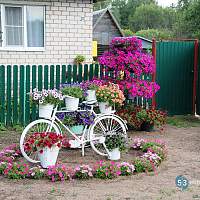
column 183, row 159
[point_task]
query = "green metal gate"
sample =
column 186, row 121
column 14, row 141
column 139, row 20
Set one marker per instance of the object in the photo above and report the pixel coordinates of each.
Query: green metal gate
column 175, row 63
column 198, row 89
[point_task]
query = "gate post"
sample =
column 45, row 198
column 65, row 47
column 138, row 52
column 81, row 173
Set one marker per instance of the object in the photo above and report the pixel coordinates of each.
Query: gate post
column 154, row 73
column 196, row 48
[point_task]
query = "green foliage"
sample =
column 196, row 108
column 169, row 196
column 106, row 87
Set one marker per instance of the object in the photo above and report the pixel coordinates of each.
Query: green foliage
column 79, row 59
column 146, row 16
column 69, row 120
column 154, row 33
column 2, row 127
column 128, row 32
column 184, row 121
column 148, row 145
column 116, row 141
column 142, row 165
column 73, row 91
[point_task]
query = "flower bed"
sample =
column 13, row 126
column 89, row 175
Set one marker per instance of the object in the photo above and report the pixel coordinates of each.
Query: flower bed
column 154, row 152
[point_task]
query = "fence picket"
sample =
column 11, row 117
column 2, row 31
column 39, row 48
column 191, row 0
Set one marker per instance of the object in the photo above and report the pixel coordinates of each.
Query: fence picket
column 69, row 74
column 52, row 76
column 58, row 77
column 22, row 95
column 40, row 78
column 46, row 77
column 15, row 94
column 63, row 74
column 85, row 76
column 27, row 104
column 8, row 97
column 34, row 114
column 91, row 73
column 2, row 92
column 80, row 73
column 74, row 73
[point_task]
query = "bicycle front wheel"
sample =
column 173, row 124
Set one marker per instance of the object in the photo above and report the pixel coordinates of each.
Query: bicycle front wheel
column 104, row 126
column 38, row 126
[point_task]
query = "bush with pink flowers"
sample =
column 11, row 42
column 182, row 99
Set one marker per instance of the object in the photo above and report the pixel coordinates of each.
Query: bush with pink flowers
column 129, row 64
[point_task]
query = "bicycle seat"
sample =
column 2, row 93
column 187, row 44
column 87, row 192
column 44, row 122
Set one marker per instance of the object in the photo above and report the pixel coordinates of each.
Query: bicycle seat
column 89, row 103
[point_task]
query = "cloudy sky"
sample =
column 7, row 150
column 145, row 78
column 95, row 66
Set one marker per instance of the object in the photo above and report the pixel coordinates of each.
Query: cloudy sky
column 166, row 2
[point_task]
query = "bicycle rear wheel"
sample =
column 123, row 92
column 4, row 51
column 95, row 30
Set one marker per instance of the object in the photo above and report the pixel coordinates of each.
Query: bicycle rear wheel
column 38, row 126
column 104, row 126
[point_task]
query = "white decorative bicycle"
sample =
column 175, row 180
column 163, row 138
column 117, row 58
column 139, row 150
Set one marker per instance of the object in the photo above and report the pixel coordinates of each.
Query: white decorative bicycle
column 95, row 134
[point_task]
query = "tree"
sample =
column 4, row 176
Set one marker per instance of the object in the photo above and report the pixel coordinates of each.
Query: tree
column 154, row 33
column 188, row 23
column 128, row 32
column 146, row 17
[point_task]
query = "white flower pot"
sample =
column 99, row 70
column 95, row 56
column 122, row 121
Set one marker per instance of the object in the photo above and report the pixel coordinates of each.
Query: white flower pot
column 49, row 156
column 115, row 154
column 71, row 103
column 78, row 129
column 105, row 108
column 91, row 95
column 45, row 111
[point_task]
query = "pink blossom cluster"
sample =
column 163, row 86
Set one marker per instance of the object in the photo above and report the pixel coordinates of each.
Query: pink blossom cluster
column 57, row 173
column 152, row 156
column 83, row 172
column 126, row 44
column 137, row 62
column 137, row 143
column 139, row 88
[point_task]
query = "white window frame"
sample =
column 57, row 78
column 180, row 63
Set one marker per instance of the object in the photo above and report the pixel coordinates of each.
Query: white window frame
column 24, row 47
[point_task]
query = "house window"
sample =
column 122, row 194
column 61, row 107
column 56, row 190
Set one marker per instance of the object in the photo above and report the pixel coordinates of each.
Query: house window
column 22, row 27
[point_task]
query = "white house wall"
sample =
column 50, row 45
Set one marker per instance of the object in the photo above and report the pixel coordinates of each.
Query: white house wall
column 68, row 33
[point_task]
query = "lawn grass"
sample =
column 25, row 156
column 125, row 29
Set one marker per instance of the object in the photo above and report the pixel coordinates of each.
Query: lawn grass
column 184, row 121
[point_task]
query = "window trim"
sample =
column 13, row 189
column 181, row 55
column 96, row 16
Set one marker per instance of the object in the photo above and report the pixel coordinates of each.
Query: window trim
column 24, row 47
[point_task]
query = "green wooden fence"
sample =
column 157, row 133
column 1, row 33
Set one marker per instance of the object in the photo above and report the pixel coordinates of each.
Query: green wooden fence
column 17, row 81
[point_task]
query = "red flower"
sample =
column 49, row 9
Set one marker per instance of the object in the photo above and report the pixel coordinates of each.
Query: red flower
column 41, row 151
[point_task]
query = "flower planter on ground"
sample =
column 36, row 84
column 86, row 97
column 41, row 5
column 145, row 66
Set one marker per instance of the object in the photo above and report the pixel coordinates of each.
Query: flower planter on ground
column 146, row 126
column 48, row 156
column 115, row 154
column 105, row 108
column 91, row 95
column 71, row 103
column 45, row 111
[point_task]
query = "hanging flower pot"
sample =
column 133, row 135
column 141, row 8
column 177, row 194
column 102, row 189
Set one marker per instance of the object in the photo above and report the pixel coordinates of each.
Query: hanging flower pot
column 91, row 95
column 45, row 111
column 146, row 126
column 114, row 154
column 71, row 103
column 48, row 156
column 105, row 108
column 77, row 129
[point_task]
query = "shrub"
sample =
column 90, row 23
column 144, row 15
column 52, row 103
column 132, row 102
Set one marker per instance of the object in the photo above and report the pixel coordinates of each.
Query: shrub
column 107, row 170
column 57, row 173
column 83, row 172
column 79, row 59
column 126, row 169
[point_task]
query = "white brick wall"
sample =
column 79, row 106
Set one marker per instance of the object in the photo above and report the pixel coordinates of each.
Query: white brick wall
column 68, row 33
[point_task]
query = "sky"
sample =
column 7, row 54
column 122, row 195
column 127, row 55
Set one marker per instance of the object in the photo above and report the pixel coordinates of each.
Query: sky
column 166, row 2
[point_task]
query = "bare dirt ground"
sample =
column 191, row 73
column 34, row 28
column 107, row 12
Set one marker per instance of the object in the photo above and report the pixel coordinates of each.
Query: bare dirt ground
column 183, row 159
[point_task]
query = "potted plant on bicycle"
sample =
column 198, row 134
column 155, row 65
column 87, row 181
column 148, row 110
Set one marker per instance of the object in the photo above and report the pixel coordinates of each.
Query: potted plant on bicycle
column 46, row 99
column 115, row 144
column 47, row 146
column 90, row 88
column 73, row 94
column 109, row 95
